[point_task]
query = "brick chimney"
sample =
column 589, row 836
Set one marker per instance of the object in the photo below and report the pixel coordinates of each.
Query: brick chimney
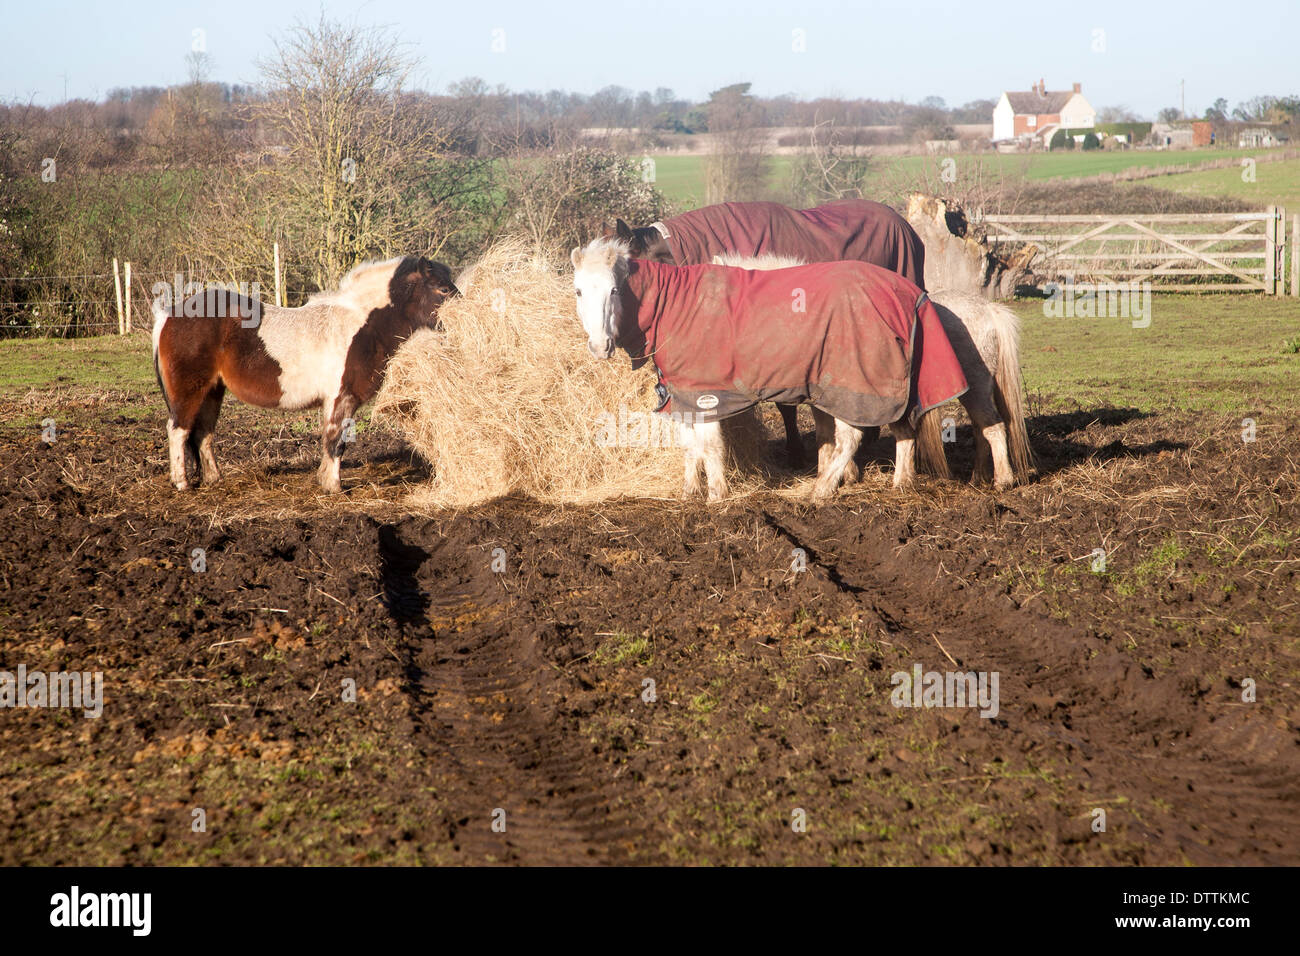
column 1042, row 87
column 1078, row 87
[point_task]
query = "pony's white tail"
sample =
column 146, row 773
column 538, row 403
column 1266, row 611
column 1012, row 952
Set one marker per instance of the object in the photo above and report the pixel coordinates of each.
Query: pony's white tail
column 995, row 331
column 1009, row 393
column 160, row 316
column 929, row 446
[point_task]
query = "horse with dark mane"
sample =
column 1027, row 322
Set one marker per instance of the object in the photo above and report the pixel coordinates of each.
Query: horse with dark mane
column 848, row 229
column 331, row 353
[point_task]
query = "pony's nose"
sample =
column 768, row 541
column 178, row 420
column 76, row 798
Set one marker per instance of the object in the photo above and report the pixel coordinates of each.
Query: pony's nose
column 601, row 350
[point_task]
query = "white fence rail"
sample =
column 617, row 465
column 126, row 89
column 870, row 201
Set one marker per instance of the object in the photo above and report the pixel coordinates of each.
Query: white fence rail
column 1247, row 251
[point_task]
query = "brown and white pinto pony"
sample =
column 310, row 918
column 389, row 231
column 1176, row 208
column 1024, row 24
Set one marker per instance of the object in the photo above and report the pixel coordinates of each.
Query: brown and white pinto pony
column 331, row 352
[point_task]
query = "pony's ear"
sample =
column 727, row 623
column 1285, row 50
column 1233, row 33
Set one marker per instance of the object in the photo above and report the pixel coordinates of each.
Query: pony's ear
column 576, row 256
column 624, row 231
column 402, row 287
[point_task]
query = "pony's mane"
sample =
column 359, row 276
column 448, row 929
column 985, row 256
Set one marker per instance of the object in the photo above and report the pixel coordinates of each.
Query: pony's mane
column 603, row 252
column 762, row 263
column 364, row 288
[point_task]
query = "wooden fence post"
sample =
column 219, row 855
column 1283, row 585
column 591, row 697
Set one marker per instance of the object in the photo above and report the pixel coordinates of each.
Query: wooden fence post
column 117, row 284
column 1282, row 250
column 278, row 299
column 1270, row 252
column 1295, row 254
column 128, row 296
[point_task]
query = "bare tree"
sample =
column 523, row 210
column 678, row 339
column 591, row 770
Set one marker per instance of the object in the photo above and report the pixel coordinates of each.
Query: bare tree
column 560, row 199
column 349, row 188
column 736, row 170
column 829, row 169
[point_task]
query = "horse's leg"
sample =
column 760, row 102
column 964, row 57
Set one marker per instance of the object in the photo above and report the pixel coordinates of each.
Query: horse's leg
column 186, row 405
column 178, row 452
column 793, row 441
column 904, row 453
column 852, row 473
column 824, row 425
column 993, row 431
column 847, row 439
column 204, row 425
column 690, row 461
column 334, row 416
column 708, row 440
column 983, row 458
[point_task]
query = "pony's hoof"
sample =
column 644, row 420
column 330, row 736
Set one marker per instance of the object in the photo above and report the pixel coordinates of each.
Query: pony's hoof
column 821, row 494
column 181, row 485
column 718, row 493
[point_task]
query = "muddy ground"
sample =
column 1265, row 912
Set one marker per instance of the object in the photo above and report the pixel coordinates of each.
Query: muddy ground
column 522, row 696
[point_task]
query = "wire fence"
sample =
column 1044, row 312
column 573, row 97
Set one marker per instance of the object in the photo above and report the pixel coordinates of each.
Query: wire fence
column 71, row 305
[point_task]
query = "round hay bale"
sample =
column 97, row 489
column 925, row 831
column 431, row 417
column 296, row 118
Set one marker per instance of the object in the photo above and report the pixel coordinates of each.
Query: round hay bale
column 506, row 399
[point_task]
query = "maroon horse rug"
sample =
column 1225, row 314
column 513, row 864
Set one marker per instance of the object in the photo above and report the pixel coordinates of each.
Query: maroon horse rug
column 854, row 229
column 855, row 340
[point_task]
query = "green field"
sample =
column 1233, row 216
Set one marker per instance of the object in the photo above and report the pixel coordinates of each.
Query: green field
column 1275, row 184
column 1196, row 355
column 681, row 178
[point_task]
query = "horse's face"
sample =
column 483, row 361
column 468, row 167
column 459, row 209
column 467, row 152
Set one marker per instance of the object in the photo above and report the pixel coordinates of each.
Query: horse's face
column 424, row 287
column 596, row 279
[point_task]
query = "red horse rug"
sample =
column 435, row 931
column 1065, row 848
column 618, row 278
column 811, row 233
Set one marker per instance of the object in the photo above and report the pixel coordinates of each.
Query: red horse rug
column 854, row 229
column 855, row 340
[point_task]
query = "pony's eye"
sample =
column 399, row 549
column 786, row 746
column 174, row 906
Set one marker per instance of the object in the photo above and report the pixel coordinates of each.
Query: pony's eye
column 578, row 293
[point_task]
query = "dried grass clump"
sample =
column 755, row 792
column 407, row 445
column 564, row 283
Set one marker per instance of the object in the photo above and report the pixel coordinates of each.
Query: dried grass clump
column 507, row 399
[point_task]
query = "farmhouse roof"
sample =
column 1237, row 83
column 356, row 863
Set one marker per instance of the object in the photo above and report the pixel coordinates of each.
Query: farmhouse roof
column 1051, row 101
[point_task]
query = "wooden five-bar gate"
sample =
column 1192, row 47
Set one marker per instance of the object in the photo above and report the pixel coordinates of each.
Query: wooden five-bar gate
column 1187, row 252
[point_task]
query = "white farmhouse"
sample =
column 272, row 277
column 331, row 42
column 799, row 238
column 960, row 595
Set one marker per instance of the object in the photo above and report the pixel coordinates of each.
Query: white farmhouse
column 1038, row 113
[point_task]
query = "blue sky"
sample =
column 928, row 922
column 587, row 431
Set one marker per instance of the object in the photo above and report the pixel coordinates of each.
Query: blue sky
column 960, row 51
